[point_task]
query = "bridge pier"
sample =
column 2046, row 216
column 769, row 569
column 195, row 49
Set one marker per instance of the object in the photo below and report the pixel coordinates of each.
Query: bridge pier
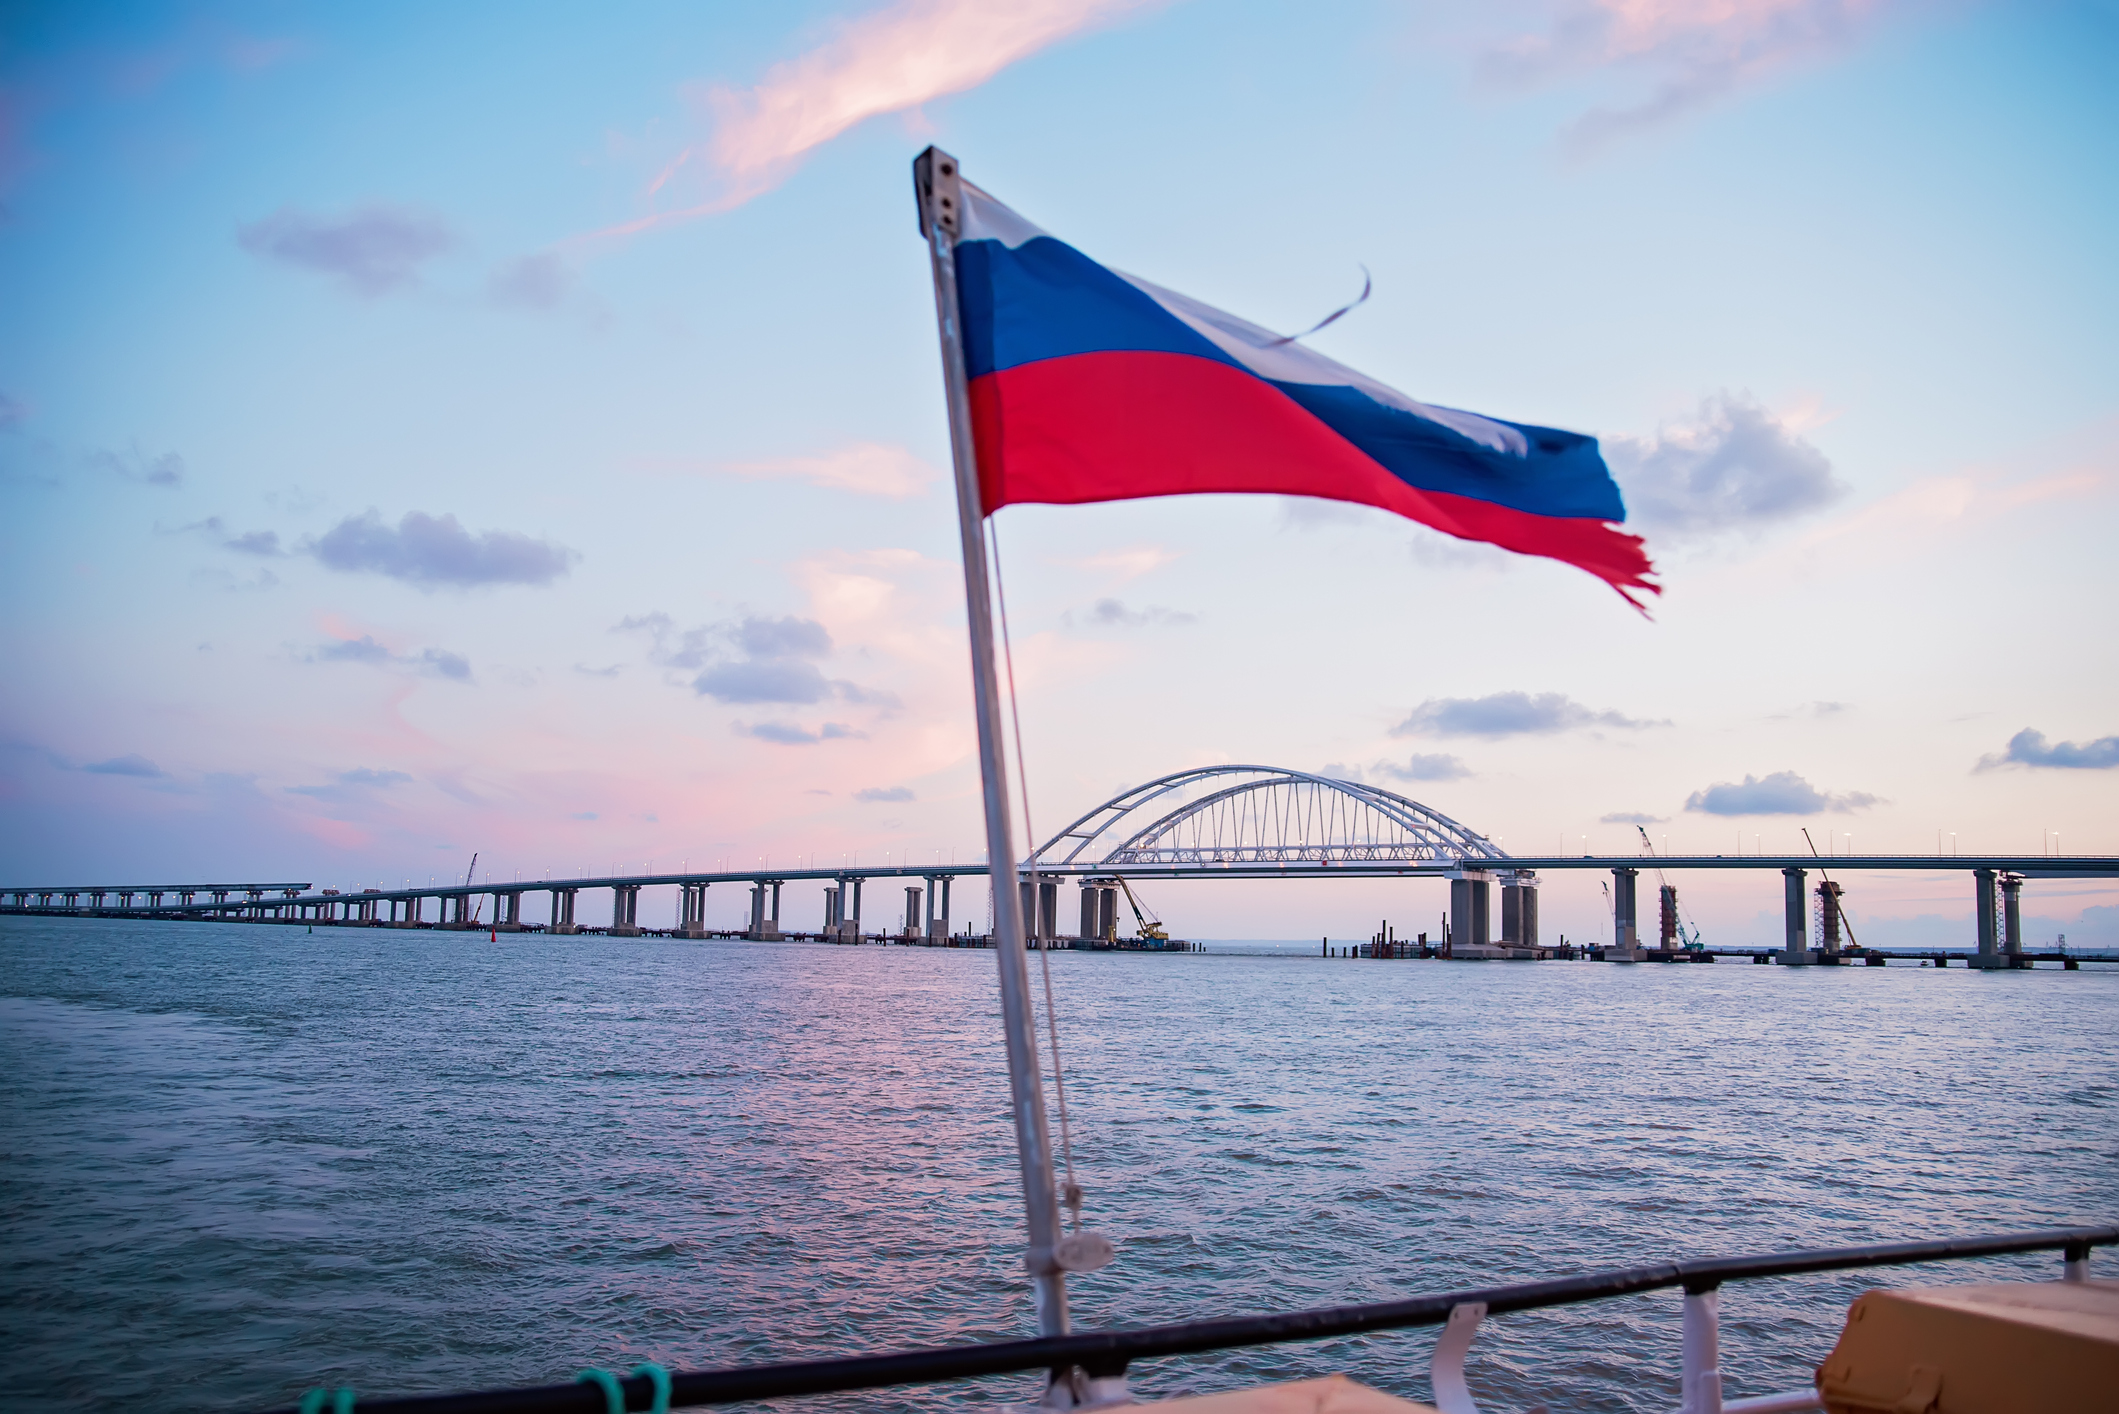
column 1470, row 912
column 563, row 912
column 1795, row 950
column 1625, row 916
column 694, row 911
column 1984, row 920
column 1519, row 909
column 764, row 926
column 2012, row 920
column 625, row 910
column 913, row 894
column 938, row 905
column 507, row 911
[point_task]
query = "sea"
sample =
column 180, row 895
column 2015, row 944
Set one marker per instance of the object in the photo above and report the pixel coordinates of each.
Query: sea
column 241, row 1161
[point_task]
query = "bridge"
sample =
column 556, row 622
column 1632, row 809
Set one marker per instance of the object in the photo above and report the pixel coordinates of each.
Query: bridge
column 1210, row 822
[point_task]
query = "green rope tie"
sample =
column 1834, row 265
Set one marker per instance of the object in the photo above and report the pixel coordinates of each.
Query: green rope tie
column 613, row 1395
column 339, row 1401
column 613, row 1392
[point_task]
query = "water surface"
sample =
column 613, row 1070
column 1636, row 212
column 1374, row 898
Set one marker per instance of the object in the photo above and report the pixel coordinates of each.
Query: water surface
column 237, row 1161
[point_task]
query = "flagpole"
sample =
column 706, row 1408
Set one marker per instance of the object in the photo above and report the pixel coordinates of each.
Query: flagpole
column 939, row 187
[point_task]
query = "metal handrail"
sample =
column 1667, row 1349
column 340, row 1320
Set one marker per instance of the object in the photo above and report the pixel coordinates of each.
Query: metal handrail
column 1106, row 1354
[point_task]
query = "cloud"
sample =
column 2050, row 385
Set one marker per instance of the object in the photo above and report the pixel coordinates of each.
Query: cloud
column 1630, row 817
column 129, row 765
column 1782, row 793
column 1694, row 54
column 434, row 662
column 788, row 637
column 263, row 543
column 883, row 794
column 359, row 778
column 164, row 470
column 444, row 664
column 425, row 551
column 12, row 413
column 1508, row 714
column 790, row 734
column 533, row 282
column 373, row 250
column 363, row 776
column 867, row 468
column 1425, row 768
column 890, row 60
column 613, row 670
column 1735, row 466
column 582, row 815
column 1113, row 613
column 2030, row 748
column 763, row 680
column 355, row 650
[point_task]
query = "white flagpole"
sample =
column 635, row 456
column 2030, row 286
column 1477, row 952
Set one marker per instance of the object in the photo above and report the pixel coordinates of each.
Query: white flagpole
column 939, row 186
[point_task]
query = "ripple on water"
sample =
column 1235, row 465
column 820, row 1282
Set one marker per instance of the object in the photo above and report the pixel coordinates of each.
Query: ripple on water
column 236, row 1162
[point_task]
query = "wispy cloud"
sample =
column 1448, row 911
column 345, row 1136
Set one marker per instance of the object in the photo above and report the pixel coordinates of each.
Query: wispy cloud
column 2030, row 748
column 431, row 551
column 538, row 281
column 1116, row 613
column 752, row 660
column 165, row 469
column 866, row 468
column 792, row 734
column 1425, row 767
column 128, row 765
column 1630, row 817
column 373, row 250
column 431, row 662
column 349, row 783
column 1733, row 466
column 1509, row 714
column 890, row 60
column 1693, row 53
column 1782, row 793
column 12, row 412
column 882, row 795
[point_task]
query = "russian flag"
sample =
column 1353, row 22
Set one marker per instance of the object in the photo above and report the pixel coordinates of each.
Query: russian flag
column 1092, row 385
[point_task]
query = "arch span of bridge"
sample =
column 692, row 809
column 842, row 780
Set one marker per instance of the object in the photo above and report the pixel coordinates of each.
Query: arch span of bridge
column 1218, row 817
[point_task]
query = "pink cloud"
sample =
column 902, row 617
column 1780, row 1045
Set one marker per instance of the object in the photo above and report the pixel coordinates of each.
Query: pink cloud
column 1696, row 52
column 890, row 60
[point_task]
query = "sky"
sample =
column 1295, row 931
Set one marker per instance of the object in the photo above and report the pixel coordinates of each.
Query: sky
column 518, row 429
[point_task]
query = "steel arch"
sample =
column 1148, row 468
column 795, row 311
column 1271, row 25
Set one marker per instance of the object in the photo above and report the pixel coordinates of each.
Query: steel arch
column 1276, row 816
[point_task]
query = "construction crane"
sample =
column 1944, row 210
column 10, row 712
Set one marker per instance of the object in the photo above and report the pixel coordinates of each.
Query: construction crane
column 1829, row 889
column 1668, row 898
column 1144, row 922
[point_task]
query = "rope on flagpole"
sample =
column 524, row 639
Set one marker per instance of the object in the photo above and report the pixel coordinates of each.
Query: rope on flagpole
column 1070, row 1195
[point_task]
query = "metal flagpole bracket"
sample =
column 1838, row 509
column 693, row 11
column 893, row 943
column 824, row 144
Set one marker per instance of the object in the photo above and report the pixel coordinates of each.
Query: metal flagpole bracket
column 938, row 186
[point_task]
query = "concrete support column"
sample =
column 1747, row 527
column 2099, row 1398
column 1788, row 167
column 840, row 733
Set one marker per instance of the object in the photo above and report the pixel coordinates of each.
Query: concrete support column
column 913, row 923
column 2012, row 919
column 625, row 910
column 832, row 916
column 938, row 906
column 757, row 911
column 1983, row 908
column 693, row 913
column 1089, row 900
column 1107, row 914
column 1795, row 950
column 853, row 912
column 1511, row 913
column 563, row 911
column 927, row 923
column 1625, row 916
column 772, row 922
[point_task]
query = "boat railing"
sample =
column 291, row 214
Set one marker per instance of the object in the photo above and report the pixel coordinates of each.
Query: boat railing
column 1095, row 1362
